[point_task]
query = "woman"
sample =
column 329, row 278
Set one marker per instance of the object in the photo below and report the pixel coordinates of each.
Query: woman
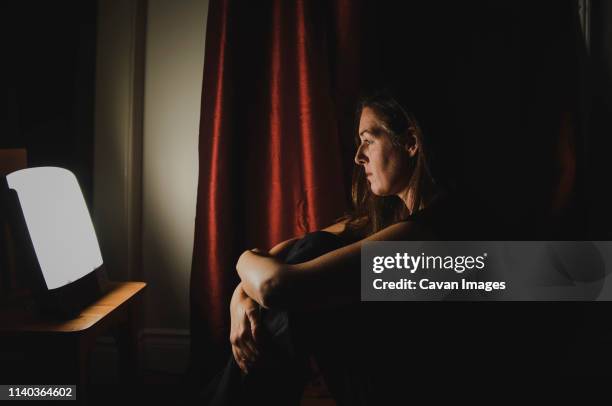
column 391, row 158
column 312, row 283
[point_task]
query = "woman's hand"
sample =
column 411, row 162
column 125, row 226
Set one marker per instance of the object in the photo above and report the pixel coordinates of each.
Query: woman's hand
column 244, row 331
column 261, row 276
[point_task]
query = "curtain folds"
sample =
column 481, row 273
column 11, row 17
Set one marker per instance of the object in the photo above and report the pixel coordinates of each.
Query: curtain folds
column 494, row 93
column 271, row 158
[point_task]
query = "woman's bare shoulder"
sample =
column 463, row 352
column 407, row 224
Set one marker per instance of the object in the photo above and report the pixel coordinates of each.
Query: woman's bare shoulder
column 336, row 228
column 352, row 232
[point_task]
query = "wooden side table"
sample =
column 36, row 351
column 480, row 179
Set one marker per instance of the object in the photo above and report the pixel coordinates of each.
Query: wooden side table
column 58, row 352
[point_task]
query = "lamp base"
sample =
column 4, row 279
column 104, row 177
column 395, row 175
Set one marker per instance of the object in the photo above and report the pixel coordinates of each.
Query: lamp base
column 66, row 303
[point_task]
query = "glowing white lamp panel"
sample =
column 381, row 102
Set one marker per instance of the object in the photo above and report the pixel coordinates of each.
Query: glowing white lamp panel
column 59, row 224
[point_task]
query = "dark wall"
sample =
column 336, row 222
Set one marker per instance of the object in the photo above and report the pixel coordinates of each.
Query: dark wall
column 47, row 98
column 491, row 83
column 599, row 146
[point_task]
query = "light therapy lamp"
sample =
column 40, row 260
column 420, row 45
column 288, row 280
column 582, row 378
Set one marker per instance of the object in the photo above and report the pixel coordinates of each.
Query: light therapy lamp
column 60, row 249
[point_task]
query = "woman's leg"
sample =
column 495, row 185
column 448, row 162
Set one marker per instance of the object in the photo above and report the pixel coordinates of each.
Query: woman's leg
column 337, row 340
column 277, row 379
column 280, row 377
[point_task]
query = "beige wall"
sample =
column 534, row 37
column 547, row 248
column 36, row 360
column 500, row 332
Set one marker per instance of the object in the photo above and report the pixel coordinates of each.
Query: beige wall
column 118, row 135
column 173, row 87
column 148, row 90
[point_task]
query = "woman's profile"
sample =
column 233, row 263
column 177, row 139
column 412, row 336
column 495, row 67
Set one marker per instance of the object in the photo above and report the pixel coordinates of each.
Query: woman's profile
column 301, row 299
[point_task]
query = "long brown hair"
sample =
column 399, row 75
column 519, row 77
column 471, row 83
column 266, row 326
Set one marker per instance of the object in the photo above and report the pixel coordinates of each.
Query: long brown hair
column 371, row 213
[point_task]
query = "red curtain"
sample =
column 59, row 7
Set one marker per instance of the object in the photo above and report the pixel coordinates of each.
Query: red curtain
column 281, row 78
column 272, row 161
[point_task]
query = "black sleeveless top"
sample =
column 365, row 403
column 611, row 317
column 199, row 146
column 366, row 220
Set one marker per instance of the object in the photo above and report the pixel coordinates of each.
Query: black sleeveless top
column 313, row 245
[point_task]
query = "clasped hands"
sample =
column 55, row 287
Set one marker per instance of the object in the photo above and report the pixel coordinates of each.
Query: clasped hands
column 260, row 275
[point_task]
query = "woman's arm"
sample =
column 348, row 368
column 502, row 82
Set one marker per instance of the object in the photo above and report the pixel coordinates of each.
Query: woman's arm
column 280, row 252
column 332, row 278
column 245, row 322
column 244, row 316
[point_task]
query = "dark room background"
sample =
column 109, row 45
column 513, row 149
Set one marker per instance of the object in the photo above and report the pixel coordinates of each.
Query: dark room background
column 512, row 98
column 516, row 96
column 47, row 100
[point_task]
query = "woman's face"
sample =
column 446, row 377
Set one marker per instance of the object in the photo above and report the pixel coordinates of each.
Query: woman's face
column 386, row 165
